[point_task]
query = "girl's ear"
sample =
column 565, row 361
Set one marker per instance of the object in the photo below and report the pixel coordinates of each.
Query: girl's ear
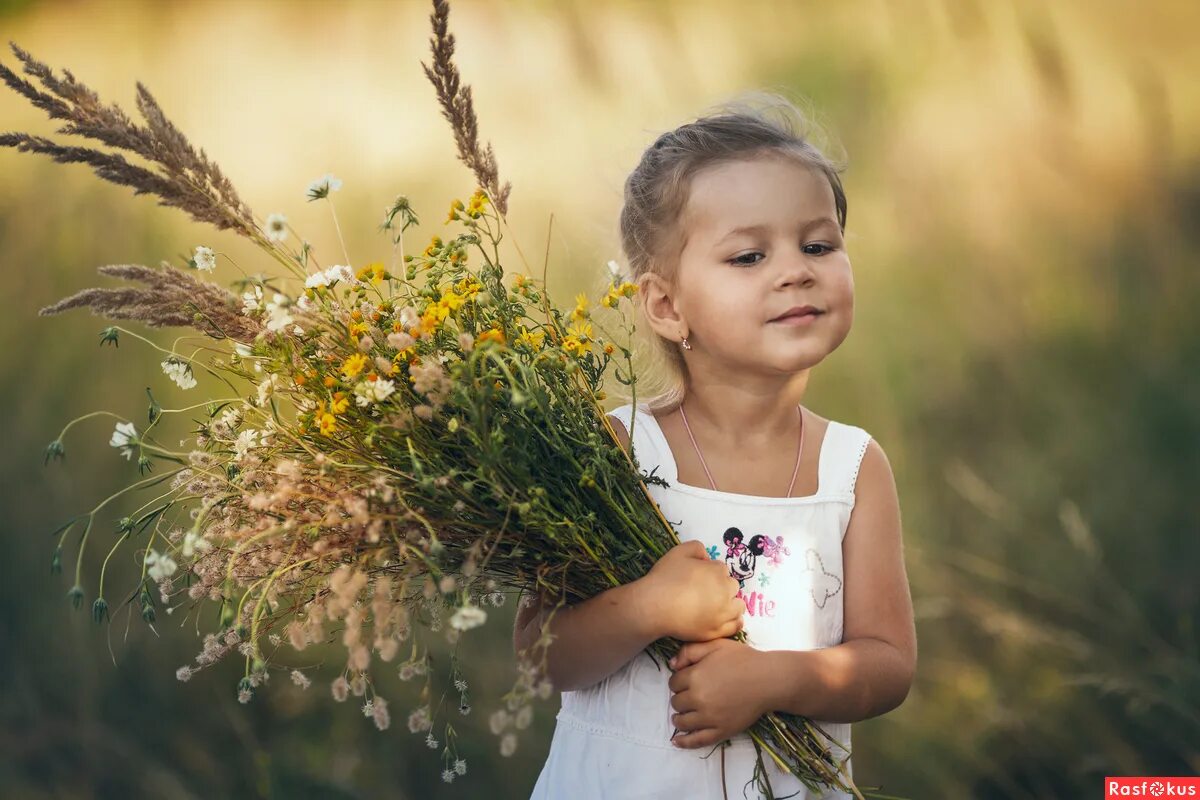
column 660, row 308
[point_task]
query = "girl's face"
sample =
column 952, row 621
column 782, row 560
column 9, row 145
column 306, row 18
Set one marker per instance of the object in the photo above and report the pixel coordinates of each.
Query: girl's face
column 761, row 238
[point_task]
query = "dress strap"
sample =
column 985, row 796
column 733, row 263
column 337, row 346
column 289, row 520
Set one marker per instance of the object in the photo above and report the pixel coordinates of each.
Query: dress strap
column 649, row 445
column 841, row 456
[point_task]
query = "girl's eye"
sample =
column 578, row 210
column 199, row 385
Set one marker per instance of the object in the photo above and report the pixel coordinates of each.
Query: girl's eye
column 738, row 260
column 822, row 250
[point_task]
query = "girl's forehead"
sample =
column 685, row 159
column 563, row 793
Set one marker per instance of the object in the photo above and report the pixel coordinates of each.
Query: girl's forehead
column 773, row 192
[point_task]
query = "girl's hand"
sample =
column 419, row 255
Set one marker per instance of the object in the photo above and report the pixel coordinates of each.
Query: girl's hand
column 691, row 597
column 716, row 692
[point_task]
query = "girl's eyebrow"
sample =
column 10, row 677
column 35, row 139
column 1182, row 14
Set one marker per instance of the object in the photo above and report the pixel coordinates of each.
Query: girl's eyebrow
column 812, row 223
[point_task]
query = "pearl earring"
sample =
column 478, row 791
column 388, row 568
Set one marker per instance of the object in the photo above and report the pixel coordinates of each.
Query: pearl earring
column 685, row 344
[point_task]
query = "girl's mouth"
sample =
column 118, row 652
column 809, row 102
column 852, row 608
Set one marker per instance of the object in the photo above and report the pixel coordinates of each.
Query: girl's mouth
column 797, row 320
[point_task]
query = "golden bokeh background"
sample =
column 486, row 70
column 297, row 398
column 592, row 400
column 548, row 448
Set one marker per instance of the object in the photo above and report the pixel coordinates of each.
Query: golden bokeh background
column 1024, row 209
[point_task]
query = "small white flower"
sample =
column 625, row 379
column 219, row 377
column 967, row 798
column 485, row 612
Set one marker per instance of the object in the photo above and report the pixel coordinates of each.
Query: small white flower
column 160, row 565
column 179, row 372
column 322, row 186
column 338, row 272
column 246, row 441
column 303, row 303
column 614, row 269
column 277, row 227
column 252, row 301
column 205, row 259
column 300, row 679
column 268, row 387
column 431, row 742
column 468, row 617
column 124, row 437
column 278, row 317
column 368, row 392
column 194, row 543
column 297, row 329
column 448, row 776
column 460, row 766
column 508, row 744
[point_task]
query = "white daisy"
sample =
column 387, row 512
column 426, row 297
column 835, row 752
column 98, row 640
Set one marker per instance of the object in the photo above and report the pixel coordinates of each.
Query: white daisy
column 179, row 372
column 124, row 437
column 277, row 227
column 322, row 186
column 160, row 565
column 205, row 259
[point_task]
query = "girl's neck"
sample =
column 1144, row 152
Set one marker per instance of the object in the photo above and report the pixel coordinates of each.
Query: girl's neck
column 739, row 415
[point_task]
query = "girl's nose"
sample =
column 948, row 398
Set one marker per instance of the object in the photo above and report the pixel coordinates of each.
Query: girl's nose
column 795, row 270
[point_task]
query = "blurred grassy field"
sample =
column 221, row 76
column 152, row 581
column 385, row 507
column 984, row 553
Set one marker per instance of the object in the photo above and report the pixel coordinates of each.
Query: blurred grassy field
column 1024, row 195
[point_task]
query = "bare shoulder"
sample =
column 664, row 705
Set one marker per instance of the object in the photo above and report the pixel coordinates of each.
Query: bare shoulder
column 875, row 477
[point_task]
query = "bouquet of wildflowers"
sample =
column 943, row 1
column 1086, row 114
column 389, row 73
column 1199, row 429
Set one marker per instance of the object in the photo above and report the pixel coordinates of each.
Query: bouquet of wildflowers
column 394, row 448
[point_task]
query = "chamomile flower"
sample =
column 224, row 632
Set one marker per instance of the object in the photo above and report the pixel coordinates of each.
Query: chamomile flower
column 124, row 437
column 321, row 187
column 180, row 372
column 204, row 259
column 277, row 227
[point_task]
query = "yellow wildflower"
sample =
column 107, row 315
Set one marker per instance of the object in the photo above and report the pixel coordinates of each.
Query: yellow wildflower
column 476, row 203
column 358, row 329
column 339, row 403
column 434, row 244
column 581, row 307
column 579, row 338
column 455, row 207
column 492, row 335
column 451, row 301
column 354, row 365
column 328, row 424
column 532, row 338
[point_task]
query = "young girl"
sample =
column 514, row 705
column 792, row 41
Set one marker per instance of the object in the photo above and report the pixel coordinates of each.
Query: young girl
column 733, row 229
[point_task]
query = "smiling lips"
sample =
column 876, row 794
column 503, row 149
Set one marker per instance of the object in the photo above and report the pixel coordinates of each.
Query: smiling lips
column 798, row 315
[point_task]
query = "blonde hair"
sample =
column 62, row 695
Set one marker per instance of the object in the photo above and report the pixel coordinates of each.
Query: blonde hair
column 751, row 125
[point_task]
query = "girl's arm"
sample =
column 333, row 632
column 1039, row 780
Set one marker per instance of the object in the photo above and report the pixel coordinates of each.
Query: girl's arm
column 592, row 639
column 686, row 595
column 871, row 671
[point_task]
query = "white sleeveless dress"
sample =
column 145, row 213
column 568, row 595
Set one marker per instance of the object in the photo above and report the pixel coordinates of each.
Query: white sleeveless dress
column 612, row 739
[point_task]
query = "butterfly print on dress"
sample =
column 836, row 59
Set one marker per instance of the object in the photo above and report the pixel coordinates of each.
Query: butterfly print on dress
column 824, row 584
